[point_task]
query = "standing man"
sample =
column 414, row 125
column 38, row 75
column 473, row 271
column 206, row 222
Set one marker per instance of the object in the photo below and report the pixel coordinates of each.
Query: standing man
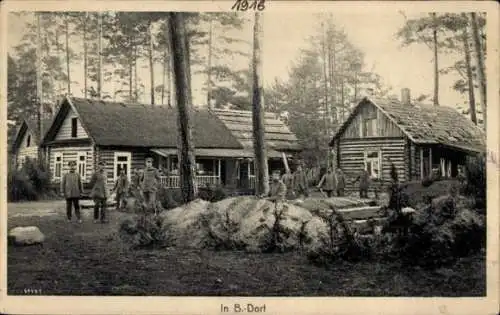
column 327, row 182
column 99, row 193
column 287, row 179
column 149, row 183
column 121, row 189
column 300, row 182
column 340, row 182
column 71, row 189
column 364, row 183
column 277, row 191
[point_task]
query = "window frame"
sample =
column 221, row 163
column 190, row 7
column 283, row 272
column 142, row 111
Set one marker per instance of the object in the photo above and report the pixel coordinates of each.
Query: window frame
column 60, row 163
column 117, row 155
column 80, row 163
column 74, row 127
column 370, row 160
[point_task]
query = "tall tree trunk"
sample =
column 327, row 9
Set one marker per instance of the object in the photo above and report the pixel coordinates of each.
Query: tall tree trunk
column 151, row 64
column 136, row 92
column 85, row 67
column 168, row 64
column 182, row 85
column 99, row 51
column 261, row 166
column 58, row 52
column 164, row 74
column 470, row 79
column 39, row 86
column 209, row 66
column 325, row 81
column 66, row 20
column 480, row 65
column 436, row 64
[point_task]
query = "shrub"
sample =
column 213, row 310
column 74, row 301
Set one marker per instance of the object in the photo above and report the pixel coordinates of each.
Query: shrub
column 169, row 198
column 20, row 187
column 144, row 230
column 30, row 182
column 341, row 242
column 441, row 233
column 38, row 174
column 212, row 194
column 475, row 180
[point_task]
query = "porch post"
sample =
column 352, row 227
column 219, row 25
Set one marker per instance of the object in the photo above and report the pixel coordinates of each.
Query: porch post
column 430, row 161
column 218, row 171
column 421, row 163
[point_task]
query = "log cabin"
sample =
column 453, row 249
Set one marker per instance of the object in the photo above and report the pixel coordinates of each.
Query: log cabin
column 418, row 139
column 122, row 135
column 26, row 143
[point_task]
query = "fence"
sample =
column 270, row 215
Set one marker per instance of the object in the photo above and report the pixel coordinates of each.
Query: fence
column 200, row 181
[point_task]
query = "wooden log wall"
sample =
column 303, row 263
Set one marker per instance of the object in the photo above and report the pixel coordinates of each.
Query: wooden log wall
column 352, row 154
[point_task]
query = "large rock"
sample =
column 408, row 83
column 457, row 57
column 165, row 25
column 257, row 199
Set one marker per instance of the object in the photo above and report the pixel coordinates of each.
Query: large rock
column 28, row 235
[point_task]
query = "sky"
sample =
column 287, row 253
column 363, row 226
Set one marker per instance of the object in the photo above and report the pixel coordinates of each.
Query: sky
column 286, row 33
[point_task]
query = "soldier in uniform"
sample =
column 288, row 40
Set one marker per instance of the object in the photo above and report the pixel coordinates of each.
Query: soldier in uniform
column 99, row 193
column 277, row 191
column 149, row 183
column 72, row 188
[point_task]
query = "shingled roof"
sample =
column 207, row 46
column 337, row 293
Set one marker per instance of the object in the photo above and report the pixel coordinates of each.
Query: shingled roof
column 277, row 134
column 427, row 124
column 119, row 124
column 30, row 124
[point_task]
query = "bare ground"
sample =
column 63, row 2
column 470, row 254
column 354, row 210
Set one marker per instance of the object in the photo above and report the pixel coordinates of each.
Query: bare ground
column 90, row 259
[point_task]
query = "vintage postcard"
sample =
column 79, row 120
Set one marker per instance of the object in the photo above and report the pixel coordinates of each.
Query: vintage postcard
column 249, row 157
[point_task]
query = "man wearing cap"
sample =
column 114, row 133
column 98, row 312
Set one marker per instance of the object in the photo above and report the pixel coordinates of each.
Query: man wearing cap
column 71, row 188
column 99, row 193
column 149, row 183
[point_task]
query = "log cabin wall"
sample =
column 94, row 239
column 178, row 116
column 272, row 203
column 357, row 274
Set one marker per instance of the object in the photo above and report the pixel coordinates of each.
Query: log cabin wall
column 371, row 131
column 352, row 157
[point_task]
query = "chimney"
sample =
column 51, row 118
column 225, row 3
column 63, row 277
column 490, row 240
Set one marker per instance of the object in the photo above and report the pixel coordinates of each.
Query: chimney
column 405, row 96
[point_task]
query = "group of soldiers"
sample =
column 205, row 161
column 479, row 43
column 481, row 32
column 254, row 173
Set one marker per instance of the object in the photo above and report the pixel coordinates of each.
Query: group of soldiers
column 296, row 185
column 143, row 185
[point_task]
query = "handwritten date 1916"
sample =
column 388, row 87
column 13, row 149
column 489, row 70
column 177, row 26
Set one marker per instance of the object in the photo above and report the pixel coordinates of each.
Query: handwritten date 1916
column 244, row 5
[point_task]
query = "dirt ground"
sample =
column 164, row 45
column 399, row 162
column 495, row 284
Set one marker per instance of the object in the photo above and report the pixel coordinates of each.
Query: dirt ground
column 90, row 259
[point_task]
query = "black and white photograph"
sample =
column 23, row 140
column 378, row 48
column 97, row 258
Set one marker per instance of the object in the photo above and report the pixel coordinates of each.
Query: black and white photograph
column 250, row 149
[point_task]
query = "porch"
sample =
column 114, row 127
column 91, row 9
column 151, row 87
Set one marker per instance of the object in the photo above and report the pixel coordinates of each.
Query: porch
column 440, row 160
column 233, row 169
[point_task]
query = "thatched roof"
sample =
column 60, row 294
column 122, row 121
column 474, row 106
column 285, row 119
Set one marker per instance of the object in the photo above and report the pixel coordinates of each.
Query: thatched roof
column 30, row 124
column 427, row 124
column 277, row 134
column 119, row 124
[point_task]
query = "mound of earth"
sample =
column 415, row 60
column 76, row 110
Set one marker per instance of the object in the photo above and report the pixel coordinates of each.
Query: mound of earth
column 251, row 224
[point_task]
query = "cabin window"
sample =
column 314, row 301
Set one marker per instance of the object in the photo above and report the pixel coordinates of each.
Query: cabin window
column 28, row 141
column 82, row 164
column 58, row 163
column 368, row 125
column 373, row 163
column 122, row 161
column 74, row 125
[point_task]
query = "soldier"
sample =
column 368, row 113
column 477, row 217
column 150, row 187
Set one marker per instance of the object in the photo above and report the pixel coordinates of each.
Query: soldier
column 288, row 181
column 364, row 183
column 328, row 182
column 149, row 183
column 300, row 182
column 277, row 191
column 99, row 193
column 340, row 182
column 71, row 189
column 121, row 189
